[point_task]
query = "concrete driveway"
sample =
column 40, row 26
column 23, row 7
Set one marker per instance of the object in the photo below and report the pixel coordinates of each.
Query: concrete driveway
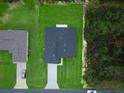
column 20, row 82
column 52, row 77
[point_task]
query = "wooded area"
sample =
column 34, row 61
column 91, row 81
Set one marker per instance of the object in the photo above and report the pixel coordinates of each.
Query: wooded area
column 106, row 1
column 104, row 34
column 41, row 1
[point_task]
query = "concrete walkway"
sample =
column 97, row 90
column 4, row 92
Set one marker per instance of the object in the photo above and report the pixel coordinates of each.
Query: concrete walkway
column 52, row 77
column 20, row 82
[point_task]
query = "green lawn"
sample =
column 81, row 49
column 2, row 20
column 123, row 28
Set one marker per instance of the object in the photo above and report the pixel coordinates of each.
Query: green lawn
column 7, row 70
column 69, row 75
column 24, row 18
column 34, row 20
column 3, row 8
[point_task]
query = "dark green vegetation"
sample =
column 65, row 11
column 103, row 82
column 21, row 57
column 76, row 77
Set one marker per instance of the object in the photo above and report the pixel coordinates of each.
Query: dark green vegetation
column 107, row 1
column 34, row 19
column 104, row 33
column 69, row 75
column 39, row 1
column 7, row 70
column 10, row 1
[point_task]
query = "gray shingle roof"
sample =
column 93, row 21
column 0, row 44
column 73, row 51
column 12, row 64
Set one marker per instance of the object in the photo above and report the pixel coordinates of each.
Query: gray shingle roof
column 16, row 42
column 59, row 43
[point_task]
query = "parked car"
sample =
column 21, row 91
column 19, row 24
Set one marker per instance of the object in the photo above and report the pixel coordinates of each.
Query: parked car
column 23, row 74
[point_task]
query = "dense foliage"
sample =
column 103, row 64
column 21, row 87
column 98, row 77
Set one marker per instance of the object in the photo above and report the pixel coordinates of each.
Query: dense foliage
column 55, row 1
column 106, row 1
column 104, row 34
column 10, row 1
column 40, row 1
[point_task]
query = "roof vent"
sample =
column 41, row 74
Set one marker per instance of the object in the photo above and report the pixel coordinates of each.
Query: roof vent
column 61, row 25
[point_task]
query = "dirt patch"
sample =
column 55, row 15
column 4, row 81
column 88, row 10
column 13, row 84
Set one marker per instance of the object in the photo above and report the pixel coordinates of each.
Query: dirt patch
column 15, row 4
column 5, row 19
column 119, row 43
column 109, row 84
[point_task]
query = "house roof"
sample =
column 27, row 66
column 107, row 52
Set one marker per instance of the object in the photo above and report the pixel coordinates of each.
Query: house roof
column 16, row 42
column 59, row 43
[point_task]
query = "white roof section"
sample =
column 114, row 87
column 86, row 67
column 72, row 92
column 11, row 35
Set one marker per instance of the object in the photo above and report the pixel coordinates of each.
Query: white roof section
column 61, row 25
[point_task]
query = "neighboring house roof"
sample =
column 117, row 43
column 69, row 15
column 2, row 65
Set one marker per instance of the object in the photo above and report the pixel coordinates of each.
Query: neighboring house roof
column 16, row 42
column 59, row 43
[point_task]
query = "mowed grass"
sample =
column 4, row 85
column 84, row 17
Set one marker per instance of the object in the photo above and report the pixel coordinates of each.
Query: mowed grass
column 3, row 8
column 35, row 20
column 69, row 74
column 25, row 18
column 7, row 70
